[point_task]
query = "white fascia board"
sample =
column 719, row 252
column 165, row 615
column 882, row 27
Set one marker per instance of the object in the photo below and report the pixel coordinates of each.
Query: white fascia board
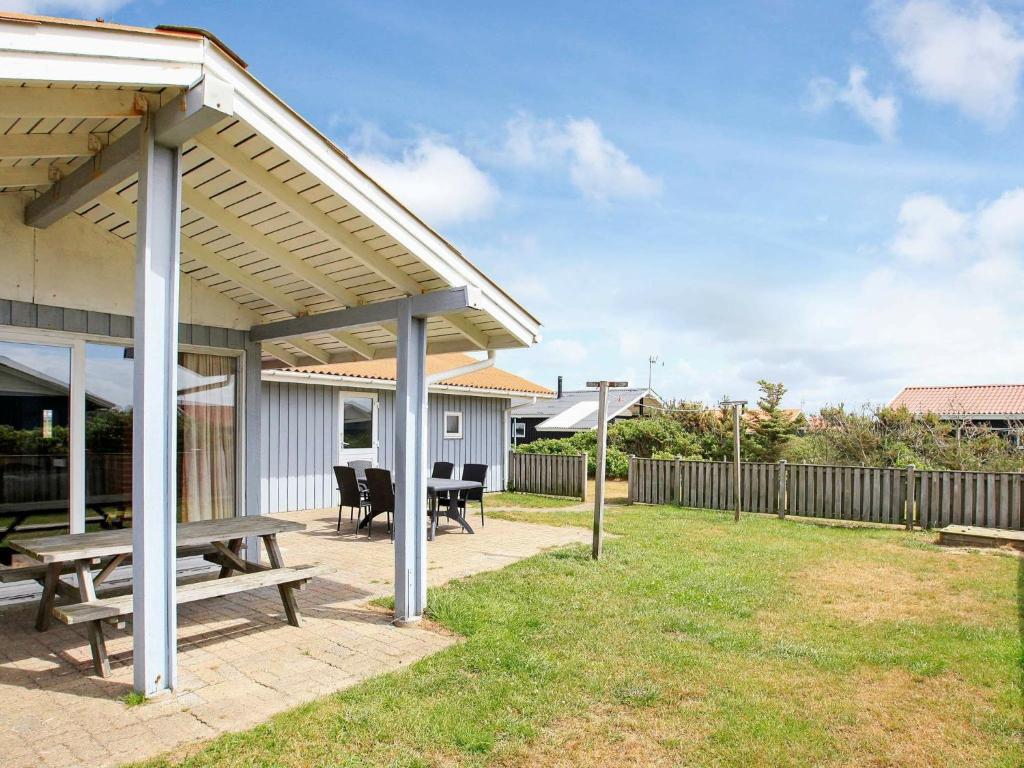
column 354, row 382
column 291, row 134
column 55, row 52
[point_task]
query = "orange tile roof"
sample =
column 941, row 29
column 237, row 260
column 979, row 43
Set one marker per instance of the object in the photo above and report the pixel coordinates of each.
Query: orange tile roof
column 987, row 400
column 384, row 370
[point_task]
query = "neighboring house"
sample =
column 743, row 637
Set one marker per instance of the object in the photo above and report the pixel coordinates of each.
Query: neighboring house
column 997, row 406
column 575, row 410
column 317, row 416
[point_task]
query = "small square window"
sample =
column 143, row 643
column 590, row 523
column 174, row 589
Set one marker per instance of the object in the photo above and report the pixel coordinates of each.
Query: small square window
column 453, row 424
column 519, row 430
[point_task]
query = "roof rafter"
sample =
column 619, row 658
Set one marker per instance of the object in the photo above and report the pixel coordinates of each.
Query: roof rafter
column 280, row 353
column 195, row 250
column 49, row 145
column 248, row 234
column 16, row 102
column 310, row 349
column 337, row 233
column 354, row 343
column 201, row 106
column 469, row 330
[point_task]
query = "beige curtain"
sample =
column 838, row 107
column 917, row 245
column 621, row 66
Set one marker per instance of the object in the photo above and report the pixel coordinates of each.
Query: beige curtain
column 206, row 417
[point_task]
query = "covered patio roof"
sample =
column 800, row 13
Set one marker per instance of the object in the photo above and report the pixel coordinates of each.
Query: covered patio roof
column 154, row 154
column 275, row 216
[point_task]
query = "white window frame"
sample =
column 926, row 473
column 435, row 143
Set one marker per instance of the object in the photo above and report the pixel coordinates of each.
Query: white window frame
column 518, row 429
column 76, row 407
column 453, row 435
column 342, row 395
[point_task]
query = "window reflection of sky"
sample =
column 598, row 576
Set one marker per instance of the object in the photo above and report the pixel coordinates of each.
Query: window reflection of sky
column 108, row 373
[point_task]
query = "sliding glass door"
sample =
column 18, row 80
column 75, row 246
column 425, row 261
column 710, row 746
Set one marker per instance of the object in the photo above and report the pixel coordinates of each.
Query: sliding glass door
column 39, row 443
column 35, row 440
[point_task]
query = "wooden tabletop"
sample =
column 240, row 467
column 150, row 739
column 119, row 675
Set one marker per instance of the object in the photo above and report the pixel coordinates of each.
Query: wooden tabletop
column 80, row 546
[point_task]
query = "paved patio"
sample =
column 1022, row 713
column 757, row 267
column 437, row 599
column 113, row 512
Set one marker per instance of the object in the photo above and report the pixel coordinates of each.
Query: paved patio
column 239, row 662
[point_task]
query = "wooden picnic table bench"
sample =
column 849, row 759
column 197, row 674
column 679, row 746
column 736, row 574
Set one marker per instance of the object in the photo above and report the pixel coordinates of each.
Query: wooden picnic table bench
column 220, row 540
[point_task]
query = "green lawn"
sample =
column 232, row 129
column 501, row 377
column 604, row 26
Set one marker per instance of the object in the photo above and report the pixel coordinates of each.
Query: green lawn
column 695, row 642
column 508, row 499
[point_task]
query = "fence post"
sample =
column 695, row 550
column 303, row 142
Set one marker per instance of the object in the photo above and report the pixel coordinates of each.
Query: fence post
column 911, row 497
column 583, row 471
column 629, row 478
column 780, row 492
column 677, row 486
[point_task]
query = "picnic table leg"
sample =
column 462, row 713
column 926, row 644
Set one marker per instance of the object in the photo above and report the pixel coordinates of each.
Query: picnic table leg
column 45, row 610
column 226, row 567
column 291, row 608
column 87, row 591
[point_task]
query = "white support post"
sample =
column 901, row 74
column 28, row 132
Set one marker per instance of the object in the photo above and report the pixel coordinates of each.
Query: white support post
column 410, row 468
column 154, row 491
column 252, row 394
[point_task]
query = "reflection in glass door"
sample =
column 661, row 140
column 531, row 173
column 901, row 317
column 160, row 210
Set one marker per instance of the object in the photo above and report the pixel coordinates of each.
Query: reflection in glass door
column 35, row 409
column 108, row 435
column 357, row 432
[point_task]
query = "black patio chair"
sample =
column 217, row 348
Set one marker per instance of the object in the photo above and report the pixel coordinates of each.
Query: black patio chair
column 442, row 470
column 351, row 495
column 476, row 473
column 382, row 497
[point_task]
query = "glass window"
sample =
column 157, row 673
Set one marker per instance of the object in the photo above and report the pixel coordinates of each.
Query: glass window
column 207, row 413
column 108, row 435
column 453, row 424
column 358, row 422
column 35, row 384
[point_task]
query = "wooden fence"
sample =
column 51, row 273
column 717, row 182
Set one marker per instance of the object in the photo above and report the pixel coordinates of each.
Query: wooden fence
column 548, row 473
column 932, row 498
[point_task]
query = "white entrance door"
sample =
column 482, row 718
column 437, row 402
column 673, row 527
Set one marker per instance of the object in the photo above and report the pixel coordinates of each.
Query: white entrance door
column 357, row 427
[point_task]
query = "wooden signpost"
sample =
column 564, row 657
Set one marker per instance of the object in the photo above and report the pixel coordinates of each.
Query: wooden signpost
column 602, row 451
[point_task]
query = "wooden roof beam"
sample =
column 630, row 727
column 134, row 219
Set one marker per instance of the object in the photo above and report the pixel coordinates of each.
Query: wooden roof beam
column 337, row 233
column 49, row 145
column 469, row 330
column 16, row 101
column 195, row 250
column 354, row 343
column 280, row 353
column 203, row 105
column 230, row 223
column 310, row 349
column 443, row 302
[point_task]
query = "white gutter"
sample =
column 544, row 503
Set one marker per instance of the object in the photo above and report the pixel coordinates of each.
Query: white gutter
column 479, row 365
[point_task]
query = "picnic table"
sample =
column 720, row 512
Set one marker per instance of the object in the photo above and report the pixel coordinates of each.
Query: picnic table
column 222, row 539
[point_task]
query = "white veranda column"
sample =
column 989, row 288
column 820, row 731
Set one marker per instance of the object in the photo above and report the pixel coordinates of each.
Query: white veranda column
column 410, row 468
column 154, row 487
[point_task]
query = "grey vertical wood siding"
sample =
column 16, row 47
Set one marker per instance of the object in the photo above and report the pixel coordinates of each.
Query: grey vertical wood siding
column 300, row 443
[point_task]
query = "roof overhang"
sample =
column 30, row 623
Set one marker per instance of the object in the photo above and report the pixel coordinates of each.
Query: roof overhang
column 276, row 217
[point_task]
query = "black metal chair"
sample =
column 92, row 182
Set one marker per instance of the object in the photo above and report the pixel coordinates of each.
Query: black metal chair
column 382, row 497
column 351, row 495
column 477, row 473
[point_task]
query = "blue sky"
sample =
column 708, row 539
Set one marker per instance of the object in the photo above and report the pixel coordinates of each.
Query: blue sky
column 826, row 194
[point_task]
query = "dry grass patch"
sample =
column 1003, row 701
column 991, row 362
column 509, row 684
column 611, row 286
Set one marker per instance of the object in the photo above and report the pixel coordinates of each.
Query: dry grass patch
column 906, row 720
column 902, row 584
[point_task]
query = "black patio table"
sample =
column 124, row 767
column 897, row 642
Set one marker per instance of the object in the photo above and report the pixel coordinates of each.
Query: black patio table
column 435, row 487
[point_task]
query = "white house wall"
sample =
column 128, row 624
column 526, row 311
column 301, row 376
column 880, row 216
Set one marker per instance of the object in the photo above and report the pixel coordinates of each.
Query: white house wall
column 300, row 441
column 74, row 264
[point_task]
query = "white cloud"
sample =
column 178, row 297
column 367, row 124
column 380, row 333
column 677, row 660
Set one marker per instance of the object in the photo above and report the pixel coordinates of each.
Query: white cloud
column 931, row 316
column 988, row 241
column 596, row 166
column 85, row 9
column 880, row 113
column 435, row 180
column 970, row 58
column 929, row 230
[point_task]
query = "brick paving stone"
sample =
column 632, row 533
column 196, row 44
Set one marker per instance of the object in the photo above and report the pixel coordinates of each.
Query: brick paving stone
column 239, row 663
